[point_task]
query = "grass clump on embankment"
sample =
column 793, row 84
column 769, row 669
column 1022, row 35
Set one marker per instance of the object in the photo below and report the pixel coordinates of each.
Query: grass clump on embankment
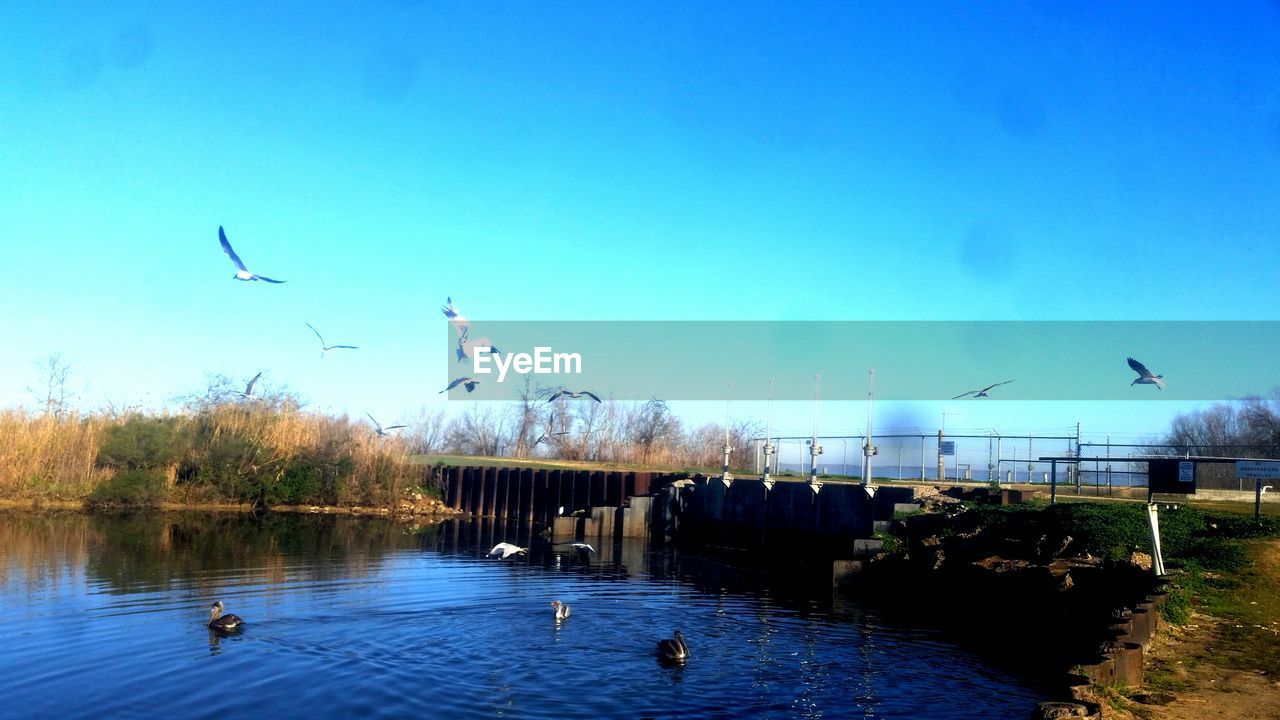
column 229, row 453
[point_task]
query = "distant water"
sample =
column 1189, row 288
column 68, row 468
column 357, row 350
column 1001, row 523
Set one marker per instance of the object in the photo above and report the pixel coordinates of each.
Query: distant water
column 105, row 617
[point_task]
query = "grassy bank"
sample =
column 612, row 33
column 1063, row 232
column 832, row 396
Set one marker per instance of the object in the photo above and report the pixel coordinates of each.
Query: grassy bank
column 232, row 453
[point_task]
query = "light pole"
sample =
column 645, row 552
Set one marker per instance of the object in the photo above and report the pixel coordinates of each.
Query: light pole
column 725, row 477
column 768, row 437
column 814, row 449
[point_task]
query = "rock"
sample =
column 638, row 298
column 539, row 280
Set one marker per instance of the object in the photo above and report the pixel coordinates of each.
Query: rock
column 1141, row 560
column 1056, row 710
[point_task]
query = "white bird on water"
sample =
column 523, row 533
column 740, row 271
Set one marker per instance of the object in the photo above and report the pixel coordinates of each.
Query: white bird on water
column 242, row 272
column 326, row 348
column 562, row 610
column 1145, row 376
column 984, row 392
column 505, row 550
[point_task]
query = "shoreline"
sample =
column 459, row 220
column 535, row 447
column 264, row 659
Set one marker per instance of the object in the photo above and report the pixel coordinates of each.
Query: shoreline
column 405, row 509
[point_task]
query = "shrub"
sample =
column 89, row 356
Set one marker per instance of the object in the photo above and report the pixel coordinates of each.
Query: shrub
column 141, row 442
column 129, row 490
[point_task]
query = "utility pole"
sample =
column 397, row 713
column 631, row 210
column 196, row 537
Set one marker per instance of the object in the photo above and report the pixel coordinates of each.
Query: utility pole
column 869, row 448
column 814, row 449
column 725, row 477
column 768, row 437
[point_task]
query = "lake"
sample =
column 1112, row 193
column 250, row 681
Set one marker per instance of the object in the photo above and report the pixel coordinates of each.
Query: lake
column 348, row 617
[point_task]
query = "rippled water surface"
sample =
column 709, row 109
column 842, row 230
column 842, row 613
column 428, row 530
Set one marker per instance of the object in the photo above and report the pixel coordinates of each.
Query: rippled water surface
column 106, row 617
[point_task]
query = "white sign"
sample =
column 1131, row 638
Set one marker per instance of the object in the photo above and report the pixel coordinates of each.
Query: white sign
column 1186, row 472
column 947, row 447
column 1258, row 469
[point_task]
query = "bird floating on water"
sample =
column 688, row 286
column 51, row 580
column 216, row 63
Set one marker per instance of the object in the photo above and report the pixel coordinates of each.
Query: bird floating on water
column 242, row 272
column 326, row 348
column 382, row 431
column 1145, row 376
column 673, row 649
column 984, row 392
column 505, row 550
column 562, row 610
column 569, row 393
column 468, row 382
column 218, row 621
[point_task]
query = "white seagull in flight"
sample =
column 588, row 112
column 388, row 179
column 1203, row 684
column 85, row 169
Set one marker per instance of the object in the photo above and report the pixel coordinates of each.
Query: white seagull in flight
column 242, row 272
column 570, row 393
column 984, row 392
column 1145, row 376
column 382, row 431
column 325, row 348
column 469, row 382
column 248, row 389
column 466, row 346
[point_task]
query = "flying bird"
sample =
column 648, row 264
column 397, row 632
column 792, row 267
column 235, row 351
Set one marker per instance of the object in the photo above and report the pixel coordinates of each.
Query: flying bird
column 242, row 272
column 220, row 622
column 248, row 389
column 1145, row 376
column 562, row 610
column 326, row 348
column 466, row 346
column 673, row 649
column 578, row 394
column 468, row 382
column 583, row 550
column 984, row 392
column 505, row 550
column 382, row 431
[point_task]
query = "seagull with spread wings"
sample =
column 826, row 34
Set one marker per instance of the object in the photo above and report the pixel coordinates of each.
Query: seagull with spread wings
column 1145, row 376
column 469, row 383
column 382, row 431
column 248, row 389
column 984, row 392
column 466, row 346
column 569, row 393
column 242, row 272
column 326, row 348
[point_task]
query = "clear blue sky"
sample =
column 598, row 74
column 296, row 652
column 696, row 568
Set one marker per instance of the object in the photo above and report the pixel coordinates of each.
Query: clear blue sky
column 734, row 160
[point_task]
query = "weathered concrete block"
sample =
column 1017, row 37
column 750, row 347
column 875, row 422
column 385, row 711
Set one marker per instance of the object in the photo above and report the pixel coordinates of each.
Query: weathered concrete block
column 843, row 571
column 636, row 517
column 905, row 508
column 1128, row 664
column 564, row 527
column 1141, row 620
column 866, row 548
column 881, row 526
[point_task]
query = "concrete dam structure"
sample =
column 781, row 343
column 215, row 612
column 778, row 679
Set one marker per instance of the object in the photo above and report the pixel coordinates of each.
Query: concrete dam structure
column 832, row 520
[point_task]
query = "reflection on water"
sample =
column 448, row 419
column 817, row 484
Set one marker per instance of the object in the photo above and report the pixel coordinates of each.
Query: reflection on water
column 363, row 617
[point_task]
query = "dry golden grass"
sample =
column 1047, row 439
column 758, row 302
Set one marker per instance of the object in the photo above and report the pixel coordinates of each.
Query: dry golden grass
column 47, row 457
column 43, row 457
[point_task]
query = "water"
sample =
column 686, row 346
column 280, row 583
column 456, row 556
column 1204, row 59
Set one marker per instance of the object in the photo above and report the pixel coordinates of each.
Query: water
column 368, row 618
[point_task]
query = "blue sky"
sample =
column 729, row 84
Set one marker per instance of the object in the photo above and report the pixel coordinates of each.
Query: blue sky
column 616, row 161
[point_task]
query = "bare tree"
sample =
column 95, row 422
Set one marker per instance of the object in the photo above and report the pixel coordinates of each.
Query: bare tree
column 427, row 433
column 55, row 376
column 653, row 429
